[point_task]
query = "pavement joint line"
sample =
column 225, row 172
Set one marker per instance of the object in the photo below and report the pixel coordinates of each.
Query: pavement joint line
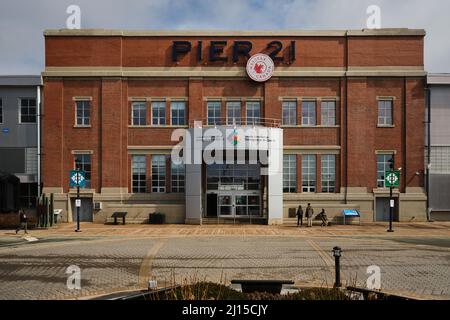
column 145, row 269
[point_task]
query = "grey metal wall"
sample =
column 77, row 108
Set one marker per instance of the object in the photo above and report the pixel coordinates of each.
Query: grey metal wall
column 440, row 192
column 19, row 135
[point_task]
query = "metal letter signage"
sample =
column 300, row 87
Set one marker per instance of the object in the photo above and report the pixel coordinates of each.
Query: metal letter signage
column 260, row 67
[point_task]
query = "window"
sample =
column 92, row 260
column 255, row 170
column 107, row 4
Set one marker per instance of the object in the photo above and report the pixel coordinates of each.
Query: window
column 1, row 111
column 289, row 113
column 178, row 113
column 139, row 172
column 385, row 113
column 233, row 113
column 253, row 112
column 308, row 173
column 309, row 113
column 328, row 176
column 328, row 113
column 383, row 165
column 83, row 162
column 289, row 173
column 83, row 113
column 159, row 113
column 27, row 110
column 158, row 173
column 139, row 113
column 213, row 112
column 177, row 177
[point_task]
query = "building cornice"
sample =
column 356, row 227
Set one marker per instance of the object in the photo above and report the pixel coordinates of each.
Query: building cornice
column 232, row 33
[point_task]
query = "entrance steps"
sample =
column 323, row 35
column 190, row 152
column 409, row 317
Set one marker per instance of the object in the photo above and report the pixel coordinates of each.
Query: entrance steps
column 212, row 220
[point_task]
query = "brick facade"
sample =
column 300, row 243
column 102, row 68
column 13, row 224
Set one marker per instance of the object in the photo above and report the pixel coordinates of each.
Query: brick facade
column 116, row 69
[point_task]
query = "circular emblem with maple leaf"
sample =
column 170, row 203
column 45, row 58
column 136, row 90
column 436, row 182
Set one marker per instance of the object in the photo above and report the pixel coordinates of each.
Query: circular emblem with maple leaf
column 260, row 67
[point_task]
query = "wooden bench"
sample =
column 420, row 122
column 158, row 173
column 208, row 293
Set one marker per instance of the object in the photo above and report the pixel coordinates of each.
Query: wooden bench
column 116, row 215
column 271, row 286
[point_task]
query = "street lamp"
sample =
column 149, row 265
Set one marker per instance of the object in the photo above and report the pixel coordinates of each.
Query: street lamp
column 391, row 200
column 337, row 252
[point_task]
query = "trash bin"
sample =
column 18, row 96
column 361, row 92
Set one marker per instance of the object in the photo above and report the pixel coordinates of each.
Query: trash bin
column 156, row 218
column 56, row 214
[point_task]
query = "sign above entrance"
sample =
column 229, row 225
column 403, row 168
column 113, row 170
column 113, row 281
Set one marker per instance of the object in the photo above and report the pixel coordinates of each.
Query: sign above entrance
column 260, row 67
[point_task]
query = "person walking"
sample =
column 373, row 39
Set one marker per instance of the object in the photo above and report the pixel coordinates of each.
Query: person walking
column 309, row 214
column 299, row 216
column 23, row 221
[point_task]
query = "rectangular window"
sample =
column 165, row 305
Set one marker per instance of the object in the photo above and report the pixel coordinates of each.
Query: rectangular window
column 27, row 110
column 159, row 113
column 328, row 113
column 328, row 176
column 253, row 112
column 383, row 165
column 139, row 172
column 385, row 113
column 213, row 108
column 308, row 173
column 139, row 113
column 289, row 113
column 83, row 162
column 177, row 177
column 289, row 173
column 234, row 113
column 158, row 173
column 1, row 111
column 178, row 113
column 308, row 113
column 83, row 111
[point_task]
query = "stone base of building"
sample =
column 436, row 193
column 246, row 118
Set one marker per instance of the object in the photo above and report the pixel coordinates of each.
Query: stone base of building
column 411, row 205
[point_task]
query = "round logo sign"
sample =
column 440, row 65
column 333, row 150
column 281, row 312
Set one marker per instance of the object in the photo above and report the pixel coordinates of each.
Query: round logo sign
column 260, row 67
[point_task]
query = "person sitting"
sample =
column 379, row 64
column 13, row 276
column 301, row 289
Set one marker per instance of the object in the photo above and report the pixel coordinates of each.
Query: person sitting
column 323, row 216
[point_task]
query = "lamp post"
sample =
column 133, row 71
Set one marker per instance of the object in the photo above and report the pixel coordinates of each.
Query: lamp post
column 77, row 201
column 337, row 255
column 391, row 199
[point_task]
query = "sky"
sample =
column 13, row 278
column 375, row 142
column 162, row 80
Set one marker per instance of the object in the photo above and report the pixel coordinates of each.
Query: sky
column 22, row 22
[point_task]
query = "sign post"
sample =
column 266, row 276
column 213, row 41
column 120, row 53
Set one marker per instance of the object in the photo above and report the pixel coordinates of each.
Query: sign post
column 78, row 179
column 391, row 180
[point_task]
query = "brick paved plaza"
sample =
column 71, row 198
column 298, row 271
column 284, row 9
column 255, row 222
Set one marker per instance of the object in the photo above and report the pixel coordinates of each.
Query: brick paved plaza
column 414, row 260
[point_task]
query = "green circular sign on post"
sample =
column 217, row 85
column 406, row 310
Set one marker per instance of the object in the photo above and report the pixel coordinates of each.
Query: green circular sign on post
column 392, row 179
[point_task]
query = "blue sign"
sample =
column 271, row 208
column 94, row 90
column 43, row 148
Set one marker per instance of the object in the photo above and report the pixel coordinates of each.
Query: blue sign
column 5, row 130
column 350, row 212
column 77, row 179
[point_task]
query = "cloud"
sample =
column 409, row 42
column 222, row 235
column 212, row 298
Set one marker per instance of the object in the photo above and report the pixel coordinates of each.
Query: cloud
column 23, row 22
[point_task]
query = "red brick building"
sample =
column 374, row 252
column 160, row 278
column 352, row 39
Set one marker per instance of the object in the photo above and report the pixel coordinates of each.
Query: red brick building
column 346, row 102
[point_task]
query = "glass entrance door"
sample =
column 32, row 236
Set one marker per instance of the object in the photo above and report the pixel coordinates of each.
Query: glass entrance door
column 237, row 204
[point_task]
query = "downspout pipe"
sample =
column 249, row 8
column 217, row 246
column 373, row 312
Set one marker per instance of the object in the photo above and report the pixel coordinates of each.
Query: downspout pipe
column 38, row 99
column 428, row 123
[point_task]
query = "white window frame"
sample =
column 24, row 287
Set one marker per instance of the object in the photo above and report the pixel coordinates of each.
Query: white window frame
column 383, row 120
column 328, row 113
column 180, row 113
column 177, row 177
column 253, row 112
column 139, row 168
column 160, row 106
column 386, row 167
column 83, row 116
column 289, row 173
column 235, row 108
column 216, row 107
column 139, row 104
column 328, row 173
column 88, row 173
column 309, row 117
column 309, row 181
column 158, row 171
column 287, row 108
column 20, row 110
